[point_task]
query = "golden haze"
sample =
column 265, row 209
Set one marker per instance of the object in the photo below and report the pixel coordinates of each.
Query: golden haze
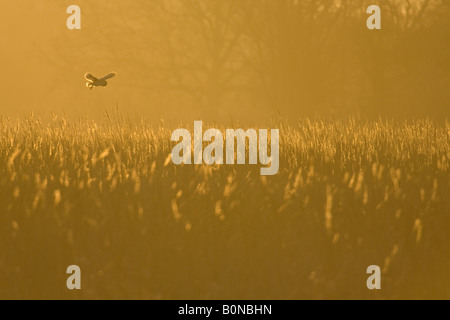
column 364, row 173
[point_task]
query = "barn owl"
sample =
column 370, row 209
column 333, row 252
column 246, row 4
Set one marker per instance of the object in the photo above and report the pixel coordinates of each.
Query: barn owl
column 96, row 82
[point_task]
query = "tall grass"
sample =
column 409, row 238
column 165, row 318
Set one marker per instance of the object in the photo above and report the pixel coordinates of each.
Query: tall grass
column 107, row 197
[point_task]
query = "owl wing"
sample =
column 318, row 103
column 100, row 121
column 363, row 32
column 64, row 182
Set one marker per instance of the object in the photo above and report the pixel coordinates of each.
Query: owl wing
column 109, row 75
column 89, row 77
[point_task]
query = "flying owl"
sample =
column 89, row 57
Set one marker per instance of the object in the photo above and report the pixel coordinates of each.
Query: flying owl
column 97, row 82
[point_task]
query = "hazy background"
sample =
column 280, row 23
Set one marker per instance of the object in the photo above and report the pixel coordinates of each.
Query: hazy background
column 182, row 60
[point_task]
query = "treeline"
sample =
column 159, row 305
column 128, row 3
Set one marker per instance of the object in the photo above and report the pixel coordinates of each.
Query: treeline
column 288, row 56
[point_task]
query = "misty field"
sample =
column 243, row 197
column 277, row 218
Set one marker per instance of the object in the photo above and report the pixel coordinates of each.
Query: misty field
column 106, row 197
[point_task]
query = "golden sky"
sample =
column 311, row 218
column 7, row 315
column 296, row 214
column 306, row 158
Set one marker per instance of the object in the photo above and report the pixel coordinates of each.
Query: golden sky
column 189, row 59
